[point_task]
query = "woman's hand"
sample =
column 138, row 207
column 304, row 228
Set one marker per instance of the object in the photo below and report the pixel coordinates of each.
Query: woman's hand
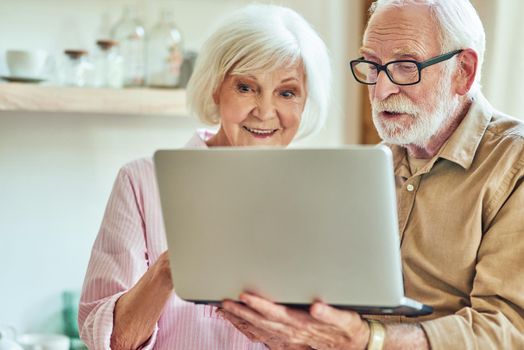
column 159, row 273
column 137, row 312
column 280, row 327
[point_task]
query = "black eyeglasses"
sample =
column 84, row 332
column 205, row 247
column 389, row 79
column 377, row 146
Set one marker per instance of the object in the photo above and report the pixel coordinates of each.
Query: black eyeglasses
column 402, row 72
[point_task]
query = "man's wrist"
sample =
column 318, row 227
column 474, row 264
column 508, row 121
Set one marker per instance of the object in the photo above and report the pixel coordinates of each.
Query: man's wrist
column 377, row 335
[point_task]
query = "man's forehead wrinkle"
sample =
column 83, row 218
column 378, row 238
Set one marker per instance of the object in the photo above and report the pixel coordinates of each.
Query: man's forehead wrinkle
column 408, row 44
column 401, row 30
column 398, row 25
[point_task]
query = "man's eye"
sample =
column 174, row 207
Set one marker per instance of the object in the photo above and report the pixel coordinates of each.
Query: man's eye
column 408, row 67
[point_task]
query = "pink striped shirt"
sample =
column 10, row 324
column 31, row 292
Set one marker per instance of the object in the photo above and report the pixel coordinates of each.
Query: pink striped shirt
column 131, row 238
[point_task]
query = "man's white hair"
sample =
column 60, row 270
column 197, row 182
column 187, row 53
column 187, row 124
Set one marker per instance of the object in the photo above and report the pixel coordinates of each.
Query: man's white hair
column 262, row 38
column 459, row 24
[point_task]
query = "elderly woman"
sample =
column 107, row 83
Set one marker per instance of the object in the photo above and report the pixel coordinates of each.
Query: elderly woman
column 264, row 77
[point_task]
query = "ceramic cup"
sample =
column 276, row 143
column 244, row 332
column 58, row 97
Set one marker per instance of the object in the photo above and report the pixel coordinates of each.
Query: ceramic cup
column 35, row 341
column 26, row 63
column 7, row 339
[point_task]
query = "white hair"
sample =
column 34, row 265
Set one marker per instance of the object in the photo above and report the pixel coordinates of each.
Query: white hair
column 262, row 38
column 459, row 24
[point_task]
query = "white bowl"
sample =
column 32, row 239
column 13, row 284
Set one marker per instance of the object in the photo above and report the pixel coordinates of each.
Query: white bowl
column 26, row 63
column 36, row 341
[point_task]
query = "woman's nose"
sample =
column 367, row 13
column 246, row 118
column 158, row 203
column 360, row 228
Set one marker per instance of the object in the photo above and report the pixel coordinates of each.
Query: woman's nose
column 264, row 108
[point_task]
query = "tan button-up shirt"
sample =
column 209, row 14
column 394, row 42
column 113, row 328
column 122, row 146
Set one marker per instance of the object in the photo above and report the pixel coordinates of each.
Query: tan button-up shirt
column 461, row 218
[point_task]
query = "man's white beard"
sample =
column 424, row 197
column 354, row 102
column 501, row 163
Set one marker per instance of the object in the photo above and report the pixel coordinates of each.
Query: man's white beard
column 425, row 123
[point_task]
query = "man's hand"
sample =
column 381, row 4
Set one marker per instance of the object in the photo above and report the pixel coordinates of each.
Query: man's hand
column 280, row 327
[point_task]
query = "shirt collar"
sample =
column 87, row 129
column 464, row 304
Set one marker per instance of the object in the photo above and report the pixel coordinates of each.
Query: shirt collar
column 199, row 138
column 462, row 144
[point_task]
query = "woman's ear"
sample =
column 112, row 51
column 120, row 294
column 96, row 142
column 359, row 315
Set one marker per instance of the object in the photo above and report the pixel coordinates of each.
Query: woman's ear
column 216, row 94
column 215, row 97
column 466, row 71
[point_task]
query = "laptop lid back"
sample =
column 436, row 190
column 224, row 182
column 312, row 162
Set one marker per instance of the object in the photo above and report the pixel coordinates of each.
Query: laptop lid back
column 290, row 224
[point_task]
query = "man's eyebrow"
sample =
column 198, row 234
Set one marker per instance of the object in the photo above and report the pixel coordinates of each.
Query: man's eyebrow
column 403, row 52
column 366, row 51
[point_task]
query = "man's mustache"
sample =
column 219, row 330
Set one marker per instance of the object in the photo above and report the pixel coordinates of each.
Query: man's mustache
column 395, row 104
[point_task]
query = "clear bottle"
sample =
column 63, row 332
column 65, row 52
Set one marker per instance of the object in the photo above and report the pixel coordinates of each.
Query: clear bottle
column 78, row 71
column 103, row 30
column 164, row 53
column 109, row 67
column 130, row 35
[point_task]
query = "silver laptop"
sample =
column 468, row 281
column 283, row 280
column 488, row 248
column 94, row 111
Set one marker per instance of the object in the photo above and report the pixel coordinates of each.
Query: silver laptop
column 290, row 224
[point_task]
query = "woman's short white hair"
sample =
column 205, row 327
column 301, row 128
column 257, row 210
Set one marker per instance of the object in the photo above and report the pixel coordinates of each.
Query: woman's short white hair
column 262, row 38
column 459, row 24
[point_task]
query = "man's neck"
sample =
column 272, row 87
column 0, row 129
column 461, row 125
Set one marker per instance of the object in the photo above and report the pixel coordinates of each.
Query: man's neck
column 436, row 142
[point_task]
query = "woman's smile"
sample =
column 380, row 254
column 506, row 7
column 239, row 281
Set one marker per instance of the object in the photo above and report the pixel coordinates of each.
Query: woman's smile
column 260, row 132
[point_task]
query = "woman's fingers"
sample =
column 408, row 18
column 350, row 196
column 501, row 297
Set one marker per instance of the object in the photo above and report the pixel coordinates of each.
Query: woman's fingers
column 161, row 271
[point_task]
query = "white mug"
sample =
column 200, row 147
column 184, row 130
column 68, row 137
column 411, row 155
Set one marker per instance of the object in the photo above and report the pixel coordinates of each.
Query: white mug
column 26, row 63
column 7, row 339
column 36, row 341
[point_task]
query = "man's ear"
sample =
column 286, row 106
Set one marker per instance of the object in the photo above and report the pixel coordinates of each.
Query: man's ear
column 466, row 71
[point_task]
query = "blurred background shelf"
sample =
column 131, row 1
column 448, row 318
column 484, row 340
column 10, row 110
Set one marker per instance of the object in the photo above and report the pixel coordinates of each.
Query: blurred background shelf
column 142, row 101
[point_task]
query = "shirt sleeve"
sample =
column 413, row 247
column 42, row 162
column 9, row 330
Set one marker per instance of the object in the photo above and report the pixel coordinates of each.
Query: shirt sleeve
column 118, row 260
column 495, row 318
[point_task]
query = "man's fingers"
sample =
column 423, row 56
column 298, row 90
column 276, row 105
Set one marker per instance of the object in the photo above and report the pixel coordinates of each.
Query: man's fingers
column 342, row 319
column 253, row 333
column 243, row 326
column 253, row 317
column 275, row 312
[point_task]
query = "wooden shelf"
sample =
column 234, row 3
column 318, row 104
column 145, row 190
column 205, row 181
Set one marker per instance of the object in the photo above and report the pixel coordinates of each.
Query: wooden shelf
column 42, row 98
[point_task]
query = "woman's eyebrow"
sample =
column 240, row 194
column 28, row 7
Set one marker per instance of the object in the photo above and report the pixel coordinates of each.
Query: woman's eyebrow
column 285, row 80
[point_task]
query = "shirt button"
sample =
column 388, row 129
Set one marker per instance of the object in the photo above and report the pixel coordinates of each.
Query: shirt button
column 410, row 187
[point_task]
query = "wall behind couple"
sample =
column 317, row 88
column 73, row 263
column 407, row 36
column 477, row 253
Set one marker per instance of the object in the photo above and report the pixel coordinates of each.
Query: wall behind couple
column 503, row 73
column 56, row 170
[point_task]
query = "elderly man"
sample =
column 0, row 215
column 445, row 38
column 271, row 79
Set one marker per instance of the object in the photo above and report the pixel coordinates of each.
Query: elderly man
column 459, row 168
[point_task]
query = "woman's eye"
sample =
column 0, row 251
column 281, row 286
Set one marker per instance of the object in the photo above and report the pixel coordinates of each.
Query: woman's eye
column 288, row 94
column 243, row 88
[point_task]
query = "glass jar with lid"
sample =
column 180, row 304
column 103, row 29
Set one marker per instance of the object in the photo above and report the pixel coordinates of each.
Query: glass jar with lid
column 109, row 69
column 130, row 35
column 164, row 53
column 78, row 71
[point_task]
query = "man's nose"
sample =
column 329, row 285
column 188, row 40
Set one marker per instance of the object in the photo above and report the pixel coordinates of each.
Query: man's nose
column 265, row 108
column 384, row 87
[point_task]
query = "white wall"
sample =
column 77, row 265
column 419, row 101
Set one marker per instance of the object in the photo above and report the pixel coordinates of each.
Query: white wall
column 504, row 53
column 56, row 174
column 56, row 170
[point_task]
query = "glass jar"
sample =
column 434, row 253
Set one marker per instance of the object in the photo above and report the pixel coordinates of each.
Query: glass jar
column 109, row 68
column 130, row 35
column 164, row 53
column 78, row 71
